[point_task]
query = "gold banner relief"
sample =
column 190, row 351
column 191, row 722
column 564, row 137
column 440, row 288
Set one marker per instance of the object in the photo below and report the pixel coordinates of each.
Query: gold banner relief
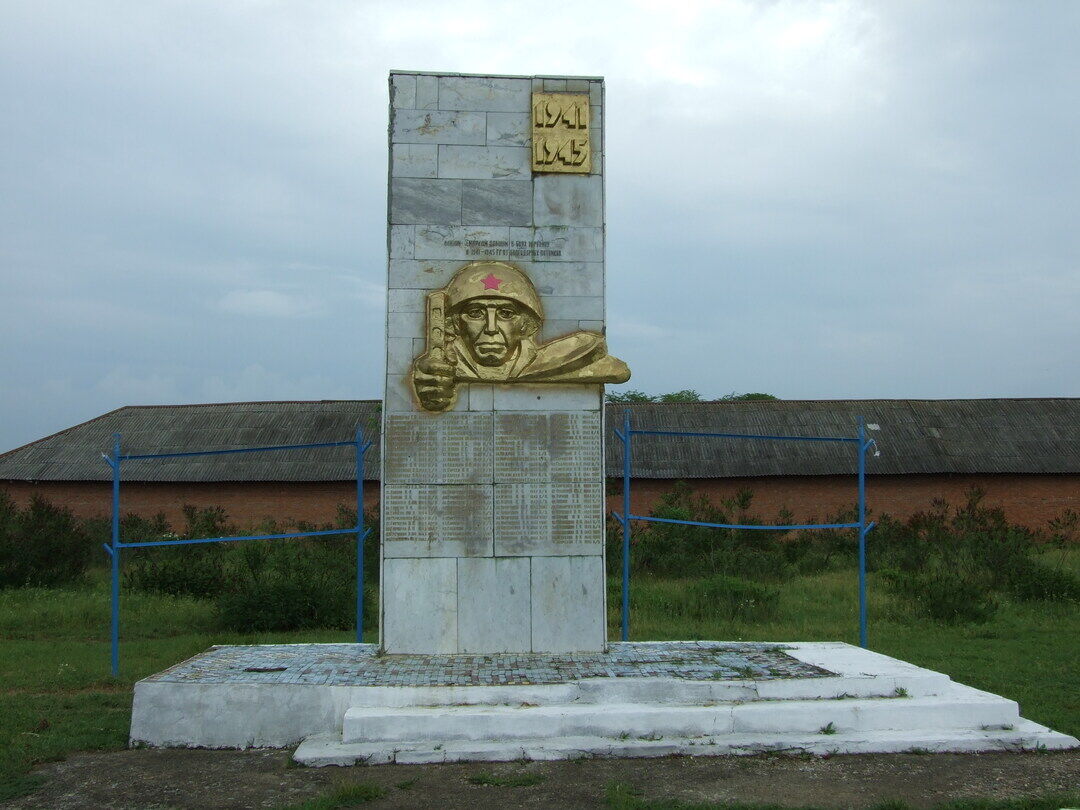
column 560, row 133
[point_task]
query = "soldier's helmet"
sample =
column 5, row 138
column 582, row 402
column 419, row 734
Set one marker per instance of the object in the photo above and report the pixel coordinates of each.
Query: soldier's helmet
column 487, row 279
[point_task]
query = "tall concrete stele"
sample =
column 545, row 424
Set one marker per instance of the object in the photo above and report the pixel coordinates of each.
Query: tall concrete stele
column 492, row 476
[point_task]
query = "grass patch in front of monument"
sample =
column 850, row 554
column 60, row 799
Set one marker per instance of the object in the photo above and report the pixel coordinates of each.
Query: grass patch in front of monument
column 621, row 796
column 347, row 794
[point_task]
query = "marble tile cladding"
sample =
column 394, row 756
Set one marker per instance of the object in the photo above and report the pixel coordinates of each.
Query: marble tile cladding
column 422, row 274
column 568, row 199
column 420, row 606
column 401, row 241
column 414, row 160
column 484, row 162
column 567, row 604
column 436, row 520
column 531, row 397
column 451, row 448
column 484, row 93
column 566, row 278
column 574, row 307
column 403, row 91
column 422, row 201
column 493, row 609
column 542, row 447
column 509, row 129
column 549, row 518
column 427, row 92
column 406, row 300
column 439, row 126
column 495, row 202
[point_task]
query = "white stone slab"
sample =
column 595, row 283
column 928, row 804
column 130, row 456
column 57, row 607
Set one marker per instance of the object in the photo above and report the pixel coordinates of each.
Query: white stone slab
column 422, row 274
column 401, row 241
column 439, row 126
column 405, row 325
column 493, row 605
column 414, row 160
column 481, row 397
column 327, row 749
column 556, row 329
column 484, row 162
column 567, row 604
column 574, row 244
column 509, row 129
column 427, row 92
column 417, row 200
column 496, row 202
column 419, row 605
column 559, row 278
column 484, row 93
column 568, row 199
column 534, row 397
column 406, row 300
column 549, row 519
column 436, row 521
column 448, row 448
column 574, row 307
column 399, row 355
column 547, row 447
column 403, row 91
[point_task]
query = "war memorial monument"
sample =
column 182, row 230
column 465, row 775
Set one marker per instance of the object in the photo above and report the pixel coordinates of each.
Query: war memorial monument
column 493, row 621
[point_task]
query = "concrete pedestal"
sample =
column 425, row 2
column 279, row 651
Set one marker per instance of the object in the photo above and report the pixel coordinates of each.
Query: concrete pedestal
column 344, row 704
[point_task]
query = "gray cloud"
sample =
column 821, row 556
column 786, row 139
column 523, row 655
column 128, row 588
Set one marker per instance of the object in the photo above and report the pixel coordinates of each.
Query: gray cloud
column 829, row 198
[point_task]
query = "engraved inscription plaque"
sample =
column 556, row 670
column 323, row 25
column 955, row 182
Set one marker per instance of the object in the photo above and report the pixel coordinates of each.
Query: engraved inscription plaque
column 560, row 133
column 549, row 519
column 547, row 447
column 453, row 450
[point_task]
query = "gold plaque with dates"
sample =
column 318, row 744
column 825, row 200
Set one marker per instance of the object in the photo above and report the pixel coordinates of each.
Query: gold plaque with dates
column 560, row 133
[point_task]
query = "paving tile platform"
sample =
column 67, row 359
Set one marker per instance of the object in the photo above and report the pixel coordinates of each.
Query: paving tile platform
column 360, row 665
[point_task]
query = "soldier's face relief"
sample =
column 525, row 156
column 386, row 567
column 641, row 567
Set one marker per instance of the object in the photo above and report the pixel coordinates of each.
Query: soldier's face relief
column 492, row 328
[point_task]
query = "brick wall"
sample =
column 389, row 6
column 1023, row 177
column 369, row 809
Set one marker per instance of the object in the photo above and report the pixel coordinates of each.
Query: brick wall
column 1031, row 500
column 246, row 503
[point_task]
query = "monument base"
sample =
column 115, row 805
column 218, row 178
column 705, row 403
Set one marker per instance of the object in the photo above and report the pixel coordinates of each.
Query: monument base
column 347, row 705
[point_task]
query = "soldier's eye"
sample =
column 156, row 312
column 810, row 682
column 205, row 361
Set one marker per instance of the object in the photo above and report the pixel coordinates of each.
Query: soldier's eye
column 506, row 313
column 475, row 313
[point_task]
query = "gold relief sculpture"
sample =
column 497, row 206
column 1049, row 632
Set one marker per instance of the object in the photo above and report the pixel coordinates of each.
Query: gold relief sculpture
column 560, row 133
column 482, row 327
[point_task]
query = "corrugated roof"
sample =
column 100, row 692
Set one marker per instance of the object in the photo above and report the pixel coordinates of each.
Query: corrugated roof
column 75, row 454
column 916, row 436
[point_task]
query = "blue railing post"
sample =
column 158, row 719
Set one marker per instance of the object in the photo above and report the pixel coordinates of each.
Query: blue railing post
column 863, row 642
column 360, row 450
column 626, row 527
column 115, row 623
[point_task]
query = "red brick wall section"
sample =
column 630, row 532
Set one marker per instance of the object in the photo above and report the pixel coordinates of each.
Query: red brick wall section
column 1030, row 500
column 246, row 503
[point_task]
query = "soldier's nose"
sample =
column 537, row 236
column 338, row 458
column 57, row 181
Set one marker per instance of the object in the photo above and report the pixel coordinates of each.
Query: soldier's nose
column 491, row 320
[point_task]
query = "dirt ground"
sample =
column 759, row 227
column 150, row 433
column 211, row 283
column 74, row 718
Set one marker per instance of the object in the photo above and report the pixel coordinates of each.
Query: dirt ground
column 161, row 779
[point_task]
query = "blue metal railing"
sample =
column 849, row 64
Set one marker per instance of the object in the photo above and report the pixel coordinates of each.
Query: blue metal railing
column 862, row 446
column 114, row 461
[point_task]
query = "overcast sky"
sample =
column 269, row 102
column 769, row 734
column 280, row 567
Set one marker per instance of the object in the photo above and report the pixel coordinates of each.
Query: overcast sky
column 872, row 199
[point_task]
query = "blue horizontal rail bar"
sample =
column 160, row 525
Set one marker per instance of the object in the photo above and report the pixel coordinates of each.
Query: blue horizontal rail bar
column 744, row 436
column 744, row 525
column 243, row 450
column 290, row 535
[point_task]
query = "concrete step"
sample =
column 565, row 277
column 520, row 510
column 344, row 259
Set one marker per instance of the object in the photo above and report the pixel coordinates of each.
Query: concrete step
column 328, row 749
column 960, row 707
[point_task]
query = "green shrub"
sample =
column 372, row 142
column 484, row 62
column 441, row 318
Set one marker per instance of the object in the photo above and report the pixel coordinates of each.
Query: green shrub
column 43, row 545
column 199, row 570
column 949, row 596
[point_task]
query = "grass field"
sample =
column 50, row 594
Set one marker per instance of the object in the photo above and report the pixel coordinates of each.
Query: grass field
column 56, row 694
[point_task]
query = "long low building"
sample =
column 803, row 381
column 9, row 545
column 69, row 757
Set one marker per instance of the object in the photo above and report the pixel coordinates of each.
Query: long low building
column 1023, row 453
